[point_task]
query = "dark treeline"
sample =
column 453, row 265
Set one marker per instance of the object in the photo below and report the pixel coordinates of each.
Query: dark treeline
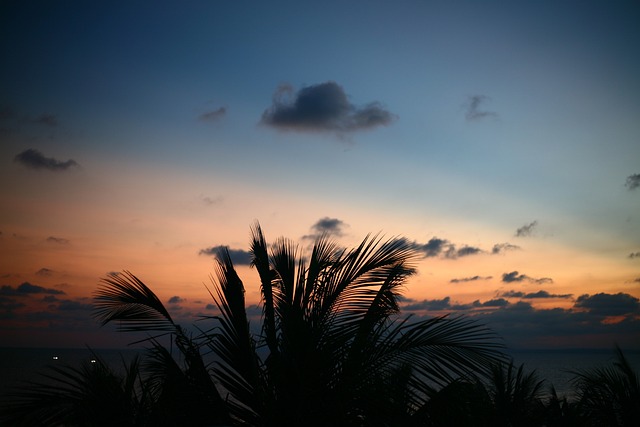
column 332, row 351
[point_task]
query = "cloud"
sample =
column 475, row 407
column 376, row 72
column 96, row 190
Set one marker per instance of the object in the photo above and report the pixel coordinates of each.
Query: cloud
column 633, row 181
column 526, row 230
column 46, row 120
column 332, row 226
column 57, row 240
column 27, row 288
column 434, row 304
column 499, row 248
column 515, row 277
column 213, row 116
column 322, row 107
column 633, row 255
column 609, row 304
column 498, row 302
column 44, row 272
column 211, row 200
column 533, row 295
column 238, row 256
column 470, row 279
column 34, row 159
column 442, row 247
column 175, row 300
column 474, row 111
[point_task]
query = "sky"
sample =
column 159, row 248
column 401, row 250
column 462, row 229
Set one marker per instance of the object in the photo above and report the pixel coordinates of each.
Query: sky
column 501, row 138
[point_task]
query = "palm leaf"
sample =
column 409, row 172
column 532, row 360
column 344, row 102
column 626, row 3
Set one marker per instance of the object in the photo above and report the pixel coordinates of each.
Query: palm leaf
column 124, row 298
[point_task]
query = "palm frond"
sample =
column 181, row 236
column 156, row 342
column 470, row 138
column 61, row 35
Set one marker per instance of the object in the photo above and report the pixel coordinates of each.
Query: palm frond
column 124, row 298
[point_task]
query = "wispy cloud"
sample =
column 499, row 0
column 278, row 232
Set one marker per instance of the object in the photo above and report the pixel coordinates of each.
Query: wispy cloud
column 57, row 240
column 322, row 107
column 474, row 109
column 514, row 276
column 633, row 181
column 499, row 248
column 470, row 279
column 527, row 230
column 213, row 116
column 27, row 288
column 533, row 295
column 238, row 256
column 46, row 119
column 34, row 159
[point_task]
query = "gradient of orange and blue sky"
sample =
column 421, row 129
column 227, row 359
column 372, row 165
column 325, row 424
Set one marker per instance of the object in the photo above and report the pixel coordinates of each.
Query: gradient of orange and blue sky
column 503, row 138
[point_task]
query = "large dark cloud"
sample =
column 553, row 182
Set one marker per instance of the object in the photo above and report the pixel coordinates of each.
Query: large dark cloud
column 322, row 107
column 633, row 181
column 533, row 295
column 474, row 110
column 526, row 230
column 238, row 256
column 34, row 159
column 609, row 304
column 514, row 276
column 27, row 288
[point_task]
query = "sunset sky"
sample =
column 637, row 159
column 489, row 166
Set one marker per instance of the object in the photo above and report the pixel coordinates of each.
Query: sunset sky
column 503, row 138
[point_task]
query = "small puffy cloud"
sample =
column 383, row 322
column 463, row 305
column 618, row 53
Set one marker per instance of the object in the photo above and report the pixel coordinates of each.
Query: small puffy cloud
column 442, row 247
column 34, row 159
column 434, row 247
column 213, row 116
column 468, row 250
column 210, row 307
column 211, row 200
column 46, row 272
column 474, row 110
column 533, row 295
column 175, row 300
column 498, row 302
column 633, row 255
column 470, row 279
column 526, row 230
column 330, row 226
column 27, row 288
column 514, row 276
column 322, row 107
column 238, row 256
column 57, row 240
column 633, row 181
column 609, row 304
column 499, row 248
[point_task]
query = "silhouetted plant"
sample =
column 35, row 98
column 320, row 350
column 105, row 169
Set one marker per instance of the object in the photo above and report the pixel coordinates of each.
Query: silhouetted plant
column 610, row 395
column 332, row 348
column 89, row 395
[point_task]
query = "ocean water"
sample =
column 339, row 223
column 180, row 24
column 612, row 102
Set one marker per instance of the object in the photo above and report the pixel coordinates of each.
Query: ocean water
column 554, row 366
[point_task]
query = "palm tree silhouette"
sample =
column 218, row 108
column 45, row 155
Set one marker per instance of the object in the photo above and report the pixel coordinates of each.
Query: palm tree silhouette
column 331, row 349
column 609, row 395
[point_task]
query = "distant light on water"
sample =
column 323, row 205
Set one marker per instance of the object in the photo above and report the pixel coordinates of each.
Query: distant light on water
column 55, row 357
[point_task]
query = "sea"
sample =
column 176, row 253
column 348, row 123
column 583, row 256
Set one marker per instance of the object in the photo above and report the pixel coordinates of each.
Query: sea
column 18, row 365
